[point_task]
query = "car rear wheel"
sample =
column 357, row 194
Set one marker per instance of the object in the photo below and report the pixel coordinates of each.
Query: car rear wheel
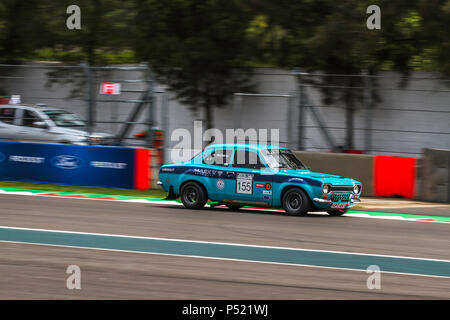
column 193, row 195
column 337, row 212
column 296, row 202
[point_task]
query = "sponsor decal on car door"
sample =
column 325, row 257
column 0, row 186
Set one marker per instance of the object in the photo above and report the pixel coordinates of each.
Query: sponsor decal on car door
column 249, row 185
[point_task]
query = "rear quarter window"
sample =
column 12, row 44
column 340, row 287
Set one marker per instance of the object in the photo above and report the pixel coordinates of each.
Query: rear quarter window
column 219, row 157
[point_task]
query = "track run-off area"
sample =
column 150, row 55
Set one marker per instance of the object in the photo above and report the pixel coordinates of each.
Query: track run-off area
column 153, row 249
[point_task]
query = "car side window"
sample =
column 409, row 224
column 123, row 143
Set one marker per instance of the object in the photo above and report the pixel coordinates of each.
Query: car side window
column 29, row 117
column 247, row 159
column 219, row 157
column 7, row 115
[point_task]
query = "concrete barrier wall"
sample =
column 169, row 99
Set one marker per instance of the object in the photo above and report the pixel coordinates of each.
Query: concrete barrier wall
column 427, row 179
column 358, row 167
column 435, row 177
column 381, row 176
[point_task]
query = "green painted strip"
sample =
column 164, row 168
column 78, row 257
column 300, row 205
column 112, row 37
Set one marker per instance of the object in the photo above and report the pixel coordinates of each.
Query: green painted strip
column 91, row 195
column 23, row 190
column 228, row 251
column 99, row 195
column 402, row 215
column 120, row 197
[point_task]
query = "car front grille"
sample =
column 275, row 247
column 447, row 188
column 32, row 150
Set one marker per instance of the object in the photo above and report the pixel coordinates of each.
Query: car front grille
column 337, row 197
column 342, row 188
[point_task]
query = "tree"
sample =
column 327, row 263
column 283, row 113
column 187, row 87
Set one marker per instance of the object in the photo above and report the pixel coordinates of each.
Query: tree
column 435, row 36
column 104, row 34
column 19, row 29
column 331, row 37
column 106, row 26
column 195, row 48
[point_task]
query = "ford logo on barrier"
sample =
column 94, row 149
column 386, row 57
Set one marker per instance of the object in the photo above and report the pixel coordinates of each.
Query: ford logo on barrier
column 2, row 157
column 67, row 162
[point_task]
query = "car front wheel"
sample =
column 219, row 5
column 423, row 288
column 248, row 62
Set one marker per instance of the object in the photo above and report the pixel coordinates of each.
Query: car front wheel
column 296, row 202
column 193, row 195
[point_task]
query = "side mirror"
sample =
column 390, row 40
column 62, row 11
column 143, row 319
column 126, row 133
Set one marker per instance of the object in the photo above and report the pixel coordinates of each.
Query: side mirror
column 40, row 124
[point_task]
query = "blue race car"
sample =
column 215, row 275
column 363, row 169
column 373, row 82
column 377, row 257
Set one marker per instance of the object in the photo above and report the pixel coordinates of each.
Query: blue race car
column 260, row 175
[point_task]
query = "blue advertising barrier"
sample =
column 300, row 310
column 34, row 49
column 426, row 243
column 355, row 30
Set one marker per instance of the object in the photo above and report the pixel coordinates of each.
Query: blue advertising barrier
column 95, row 166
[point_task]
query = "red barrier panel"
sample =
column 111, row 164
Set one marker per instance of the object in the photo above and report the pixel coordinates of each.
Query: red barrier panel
column 394, row 176
column 141, row 169
column 4, row 100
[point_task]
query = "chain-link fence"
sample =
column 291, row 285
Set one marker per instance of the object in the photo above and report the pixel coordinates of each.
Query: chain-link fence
column 385, row 114
column 127, row 112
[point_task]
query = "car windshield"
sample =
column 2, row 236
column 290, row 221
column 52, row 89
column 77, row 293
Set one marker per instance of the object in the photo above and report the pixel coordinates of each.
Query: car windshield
column 63, row 118
column 281, row 159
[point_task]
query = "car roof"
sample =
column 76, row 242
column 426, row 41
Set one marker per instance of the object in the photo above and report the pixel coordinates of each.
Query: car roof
column 41, row 107
column 254, row 146
column 19, row 105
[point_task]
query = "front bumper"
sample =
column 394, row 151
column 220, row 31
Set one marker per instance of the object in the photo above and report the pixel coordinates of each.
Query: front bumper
column 320, row 200
column 326, row 203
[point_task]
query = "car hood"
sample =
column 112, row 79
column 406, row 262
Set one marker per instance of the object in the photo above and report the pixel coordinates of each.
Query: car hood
column 318, row 176
column 80, row 132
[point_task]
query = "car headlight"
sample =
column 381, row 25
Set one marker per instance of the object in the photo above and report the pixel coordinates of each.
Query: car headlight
column 326, row 189
column 356, row 189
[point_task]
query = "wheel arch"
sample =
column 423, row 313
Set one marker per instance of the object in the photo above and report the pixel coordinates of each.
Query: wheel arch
column 294, row 186
column 196, row 181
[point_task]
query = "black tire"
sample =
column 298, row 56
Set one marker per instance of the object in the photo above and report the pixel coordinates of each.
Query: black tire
column 296, row 202
column 193, row 195
column 234, row 208
column 337, row 212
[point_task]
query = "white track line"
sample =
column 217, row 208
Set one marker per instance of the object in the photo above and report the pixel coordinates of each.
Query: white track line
column 224, row 243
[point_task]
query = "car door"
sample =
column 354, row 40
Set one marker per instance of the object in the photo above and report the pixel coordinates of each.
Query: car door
column 28, row 131
column 216, row 163
column 251, row 183
column 8, row 123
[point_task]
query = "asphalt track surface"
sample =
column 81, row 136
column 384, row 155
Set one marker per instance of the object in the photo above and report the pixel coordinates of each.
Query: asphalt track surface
column 31, row 271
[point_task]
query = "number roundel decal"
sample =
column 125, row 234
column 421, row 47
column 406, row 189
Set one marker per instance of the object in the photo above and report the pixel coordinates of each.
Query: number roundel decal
column 244, row 183
column 268, row 186
column 220, row 184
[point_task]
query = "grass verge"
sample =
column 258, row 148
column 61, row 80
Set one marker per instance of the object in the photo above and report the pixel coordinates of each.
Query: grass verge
column 151, row 193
